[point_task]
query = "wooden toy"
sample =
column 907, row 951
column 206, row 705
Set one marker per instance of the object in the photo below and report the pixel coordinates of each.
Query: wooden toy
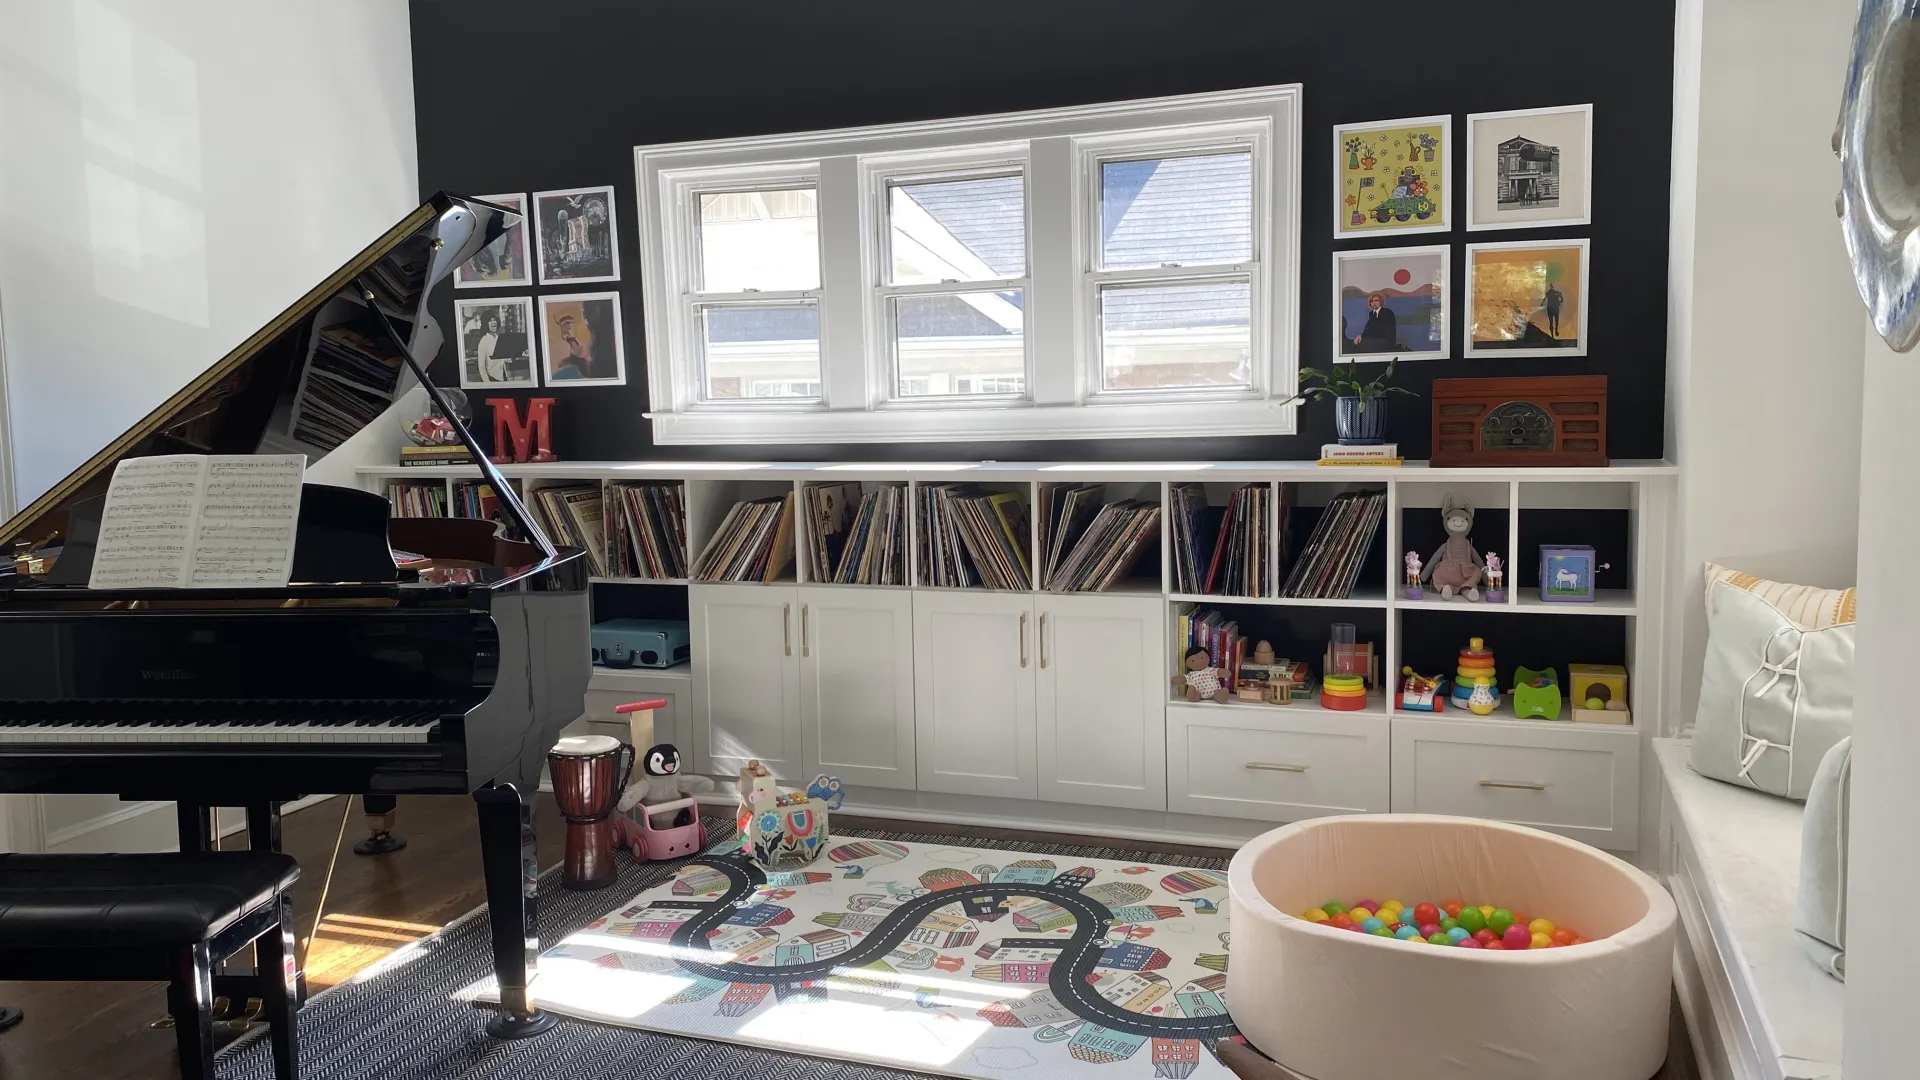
column 1343, row 693
column 1536, row 694
column 782, row 832
column 1421, row 693
column 1566, row 573
column 1602, row 683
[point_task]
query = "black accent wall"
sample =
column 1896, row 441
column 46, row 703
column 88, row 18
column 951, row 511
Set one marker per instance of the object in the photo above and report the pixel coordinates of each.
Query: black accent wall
column 530, row 95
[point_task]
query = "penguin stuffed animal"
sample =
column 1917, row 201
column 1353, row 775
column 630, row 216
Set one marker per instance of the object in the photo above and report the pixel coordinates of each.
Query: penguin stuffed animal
column 660, row 781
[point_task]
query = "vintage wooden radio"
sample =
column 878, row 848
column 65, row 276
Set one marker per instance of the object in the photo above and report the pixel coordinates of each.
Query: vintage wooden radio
column 1552, row 420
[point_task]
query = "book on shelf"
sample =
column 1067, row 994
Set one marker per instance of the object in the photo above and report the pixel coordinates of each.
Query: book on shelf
column 1329, row 563
column 1374, row 452
column 753, row 542
column 1109, row 548
column 648, row 533
column 417, row 456
column 574, row 515
column 1222, row 550
column 1361, row 462
column 972, row 536
column 423, row 500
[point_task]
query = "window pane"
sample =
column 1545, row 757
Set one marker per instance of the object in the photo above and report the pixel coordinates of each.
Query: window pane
column 957, row 230
column 1176, row 211
column 761, row 351
column 762, row 240
column 959, row 343
column 1155, row 337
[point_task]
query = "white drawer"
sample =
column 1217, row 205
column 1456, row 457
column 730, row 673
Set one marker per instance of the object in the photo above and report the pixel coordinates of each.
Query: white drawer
column 1579, row 781
column 1274, row 764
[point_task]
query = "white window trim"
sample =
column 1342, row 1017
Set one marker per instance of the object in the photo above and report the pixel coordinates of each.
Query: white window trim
column 856, row 405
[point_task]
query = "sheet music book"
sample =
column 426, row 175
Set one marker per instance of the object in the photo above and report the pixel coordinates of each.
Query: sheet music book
column 197, row 521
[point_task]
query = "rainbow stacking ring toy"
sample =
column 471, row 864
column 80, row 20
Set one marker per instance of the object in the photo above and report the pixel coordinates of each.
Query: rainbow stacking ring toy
column 1476, row 661
column 1347, row 693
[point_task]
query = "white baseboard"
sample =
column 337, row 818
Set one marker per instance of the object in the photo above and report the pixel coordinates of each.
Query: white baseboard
column 143, row 826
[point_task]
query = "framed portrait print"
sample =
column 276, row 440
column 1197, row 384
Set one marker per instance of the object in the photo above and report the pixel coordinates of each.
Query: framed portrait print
column 576, row 236
column 506, row 261
column 1530, row 168
column 1390, row 303
column 580, row 342
column 1527, row 299
column 496, row 342
column 1392, row 176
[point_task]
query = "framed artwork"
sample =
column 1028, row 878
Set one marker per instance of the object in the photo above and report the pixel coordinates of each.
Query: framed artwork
column 1391, row 176
column 1390, row 303
column 1530, row 168
column 504, row 262
column 580, row 342
column 1527, row 299
column 496, row 342
column 575, row 233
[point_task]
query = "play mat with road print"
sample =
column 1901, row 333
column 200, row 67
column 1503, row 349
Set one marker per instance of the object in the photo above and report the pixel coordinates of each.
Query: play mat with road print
column 951, row 960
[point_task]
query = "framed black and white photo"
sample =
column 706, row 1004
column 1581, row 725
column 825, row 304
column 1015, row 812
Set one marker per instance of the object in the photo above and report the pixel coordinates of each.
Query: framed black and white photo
column 575, row 234
column 580, row 340
column 1530, row 168
column 505, row 263
column 496, row 342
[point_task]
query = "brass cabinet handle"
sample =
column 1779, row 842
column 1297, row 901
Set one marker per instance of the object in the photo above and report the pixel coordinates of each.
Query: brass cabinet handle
column 1043, row 640
column 805, row 649
column 1268, row 766
column 786, row 627
column 1515, row 785
column 1023, row 639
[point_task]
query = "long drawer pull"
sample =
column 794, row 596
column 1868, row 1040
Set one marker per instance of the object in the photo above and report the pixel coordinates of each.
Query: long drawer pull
column 1515, row 785
column 1268, row 766
column 1023, row 639
column 786, row 627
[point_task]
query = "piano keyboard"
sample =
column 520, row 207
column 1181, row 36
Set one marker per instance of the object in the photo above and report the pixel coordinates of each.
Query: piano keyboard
column 226, row 722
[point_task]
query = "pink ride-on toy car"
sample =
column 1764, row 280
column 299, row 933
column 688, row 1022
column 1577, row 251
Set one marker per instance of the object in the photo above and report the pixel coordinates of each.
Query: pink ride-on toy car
column 636, row 830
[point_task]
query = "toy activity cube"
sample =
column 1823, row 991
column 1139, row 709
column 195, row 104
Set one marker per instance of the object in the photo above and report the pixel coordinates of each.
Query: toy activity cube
column 1566, row 574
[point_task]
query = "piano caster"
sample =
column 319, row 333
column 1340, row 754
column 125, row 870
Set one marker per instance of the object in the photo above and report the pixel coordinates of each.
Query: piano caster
column 9, row 1016
column 380, row 838
column 506, row 1025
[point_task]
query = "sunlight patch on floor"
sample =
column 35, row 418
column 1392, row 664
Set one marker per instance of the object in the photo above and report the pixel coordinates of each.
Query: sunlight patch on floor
column 868, row 1032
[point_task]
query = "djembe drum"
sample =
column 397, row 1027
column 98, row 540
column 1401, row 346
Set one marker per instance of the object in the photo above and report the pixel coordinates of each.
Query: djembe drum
column 589, row 772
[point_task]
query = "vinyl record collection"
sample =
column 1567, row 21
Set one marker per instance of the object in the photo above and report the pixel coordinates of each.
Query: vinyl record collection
column 649, row 536
column 863, row 546
column 574, row 516
column 350, row 382
column 973, row 538
column 1106, row 550
column 1222, row 550
column 1330, row 562
column 418, row 500
column 753, row 543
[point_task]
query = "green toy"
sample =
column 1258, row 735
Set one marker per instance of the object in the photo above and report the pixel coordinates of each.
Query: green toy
column 1536, row 694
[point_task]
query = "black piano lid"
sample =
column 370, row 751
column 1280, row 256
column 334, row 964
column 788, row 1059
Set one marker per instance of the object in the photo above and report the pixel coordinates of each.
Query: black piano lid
column 277, row 393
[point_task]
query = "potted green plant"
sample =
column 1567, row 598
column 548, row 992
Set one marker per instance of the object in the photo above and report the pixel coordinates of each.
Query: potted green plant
column 1360, row 413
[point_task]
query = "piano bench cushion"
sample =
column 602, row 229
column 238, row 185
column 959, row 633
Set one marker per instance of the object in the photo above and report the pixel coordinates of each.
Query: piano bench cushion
column 117, row 901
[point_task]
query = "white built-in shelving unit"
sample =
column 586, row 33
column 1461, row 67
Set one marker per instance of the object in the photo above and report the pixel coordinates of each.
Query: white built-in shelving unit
column 1049, row 710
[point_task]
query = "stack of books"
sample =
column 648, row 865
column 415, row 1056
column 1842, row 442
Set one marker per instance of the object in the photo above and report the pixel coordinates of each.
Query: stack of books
column 447, row 454
column 1377, row 454
column 418, row 500
column 974, row 538
column 473, row 500
column 753, row 543
column 1330, row 563
column 649, row 536
column 574, row 516
column 875, row 549
column 1222, row 550
column 1214, row 632
column 1112, row 543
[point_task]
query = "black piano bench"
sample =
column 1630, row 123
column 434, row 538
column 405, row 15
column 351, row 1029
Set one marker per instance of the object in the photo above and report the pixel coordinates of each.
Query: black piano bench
column 173, row 917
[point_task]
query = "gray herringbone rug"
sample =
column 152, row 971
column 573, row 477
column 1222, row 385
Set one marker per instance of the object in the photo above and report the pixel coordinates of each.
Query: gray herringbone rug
column 403, row 1024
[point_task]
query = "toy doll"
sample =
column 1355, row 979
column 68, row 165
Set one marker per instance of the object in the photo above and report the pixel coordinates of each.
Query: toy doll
column 1413, row 570
column 1202, row 678
column 1456, row 567
column 660, row 781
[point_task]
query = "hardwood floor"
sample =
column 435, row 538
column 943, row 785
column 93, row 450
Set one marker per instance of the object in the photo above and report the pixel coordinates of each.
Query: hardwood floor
column 101, row 1031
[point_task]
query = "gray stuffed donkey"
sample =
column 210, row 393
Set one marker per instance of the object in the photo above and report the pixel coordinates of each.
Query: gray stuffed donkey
column 1456, row 567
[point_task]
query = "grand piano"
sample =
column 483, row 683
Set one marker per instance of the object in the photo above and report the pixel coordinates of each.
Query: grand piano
column 448, row 669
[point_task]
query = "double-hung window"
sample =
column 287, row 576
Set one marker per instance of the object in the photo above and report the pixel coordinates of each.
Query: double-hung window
column 1121, row 270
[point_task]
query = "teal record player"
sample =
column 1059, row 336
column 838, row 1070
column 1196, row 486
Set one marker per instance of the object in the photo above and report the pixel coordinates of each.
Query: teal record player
column 653, row 643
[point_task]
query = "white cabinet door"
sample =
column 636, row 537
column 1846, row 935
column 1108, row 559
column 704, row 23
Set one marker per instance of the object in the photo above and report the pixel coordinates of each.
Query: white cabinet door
column 1101, row 724
column 1578, row 780
column 973, row 660
column 856, row 685
column 746, row 678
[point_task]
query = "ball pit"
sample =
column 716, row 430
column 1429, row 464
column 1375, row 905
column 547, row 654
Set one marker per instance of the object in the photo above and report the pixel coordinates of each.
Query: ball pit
column 1585, row 997
column 1446, row 929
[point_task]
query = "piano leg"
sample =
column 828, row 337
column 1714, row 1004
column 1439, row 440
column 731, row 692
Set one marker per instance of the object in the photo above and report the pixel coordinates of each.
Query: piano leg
column 196, row 826
column 511, row 865
column 380, row 839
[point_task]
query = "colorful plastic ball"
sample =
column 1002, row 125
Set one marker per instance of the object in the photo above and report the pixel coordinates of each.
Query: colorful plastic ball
column 1368, row 904
column 1493, row 945
column 1406, row 932
column 1496, row 922
column 1394, row 904
column 1381, row 932
column 1484, row 935
column 1340, row 919
column 1459, row 935
column 1315, row 915
column 1355, row 927
column 1522, row 918
column 1334, row 908
column 1540, row 941
column 1452, row 907
column 1540, row 926
column 1472, row 920
column 1577, row 940
column 1486, row 911
column 1359, row 914
column 1439, row 939
column 1426, row 913
column 1447, row 924
column 1430, row 929
column 1595, row 703
column 1564, row 936
column 1372, row 923
column 1469, row 943
column 1515, row 936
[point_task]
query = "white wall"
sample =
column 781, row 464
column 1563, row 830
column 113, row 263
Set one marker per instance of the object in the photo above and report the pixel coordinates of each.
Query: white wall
column 173, row 173
column 1765, row 337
